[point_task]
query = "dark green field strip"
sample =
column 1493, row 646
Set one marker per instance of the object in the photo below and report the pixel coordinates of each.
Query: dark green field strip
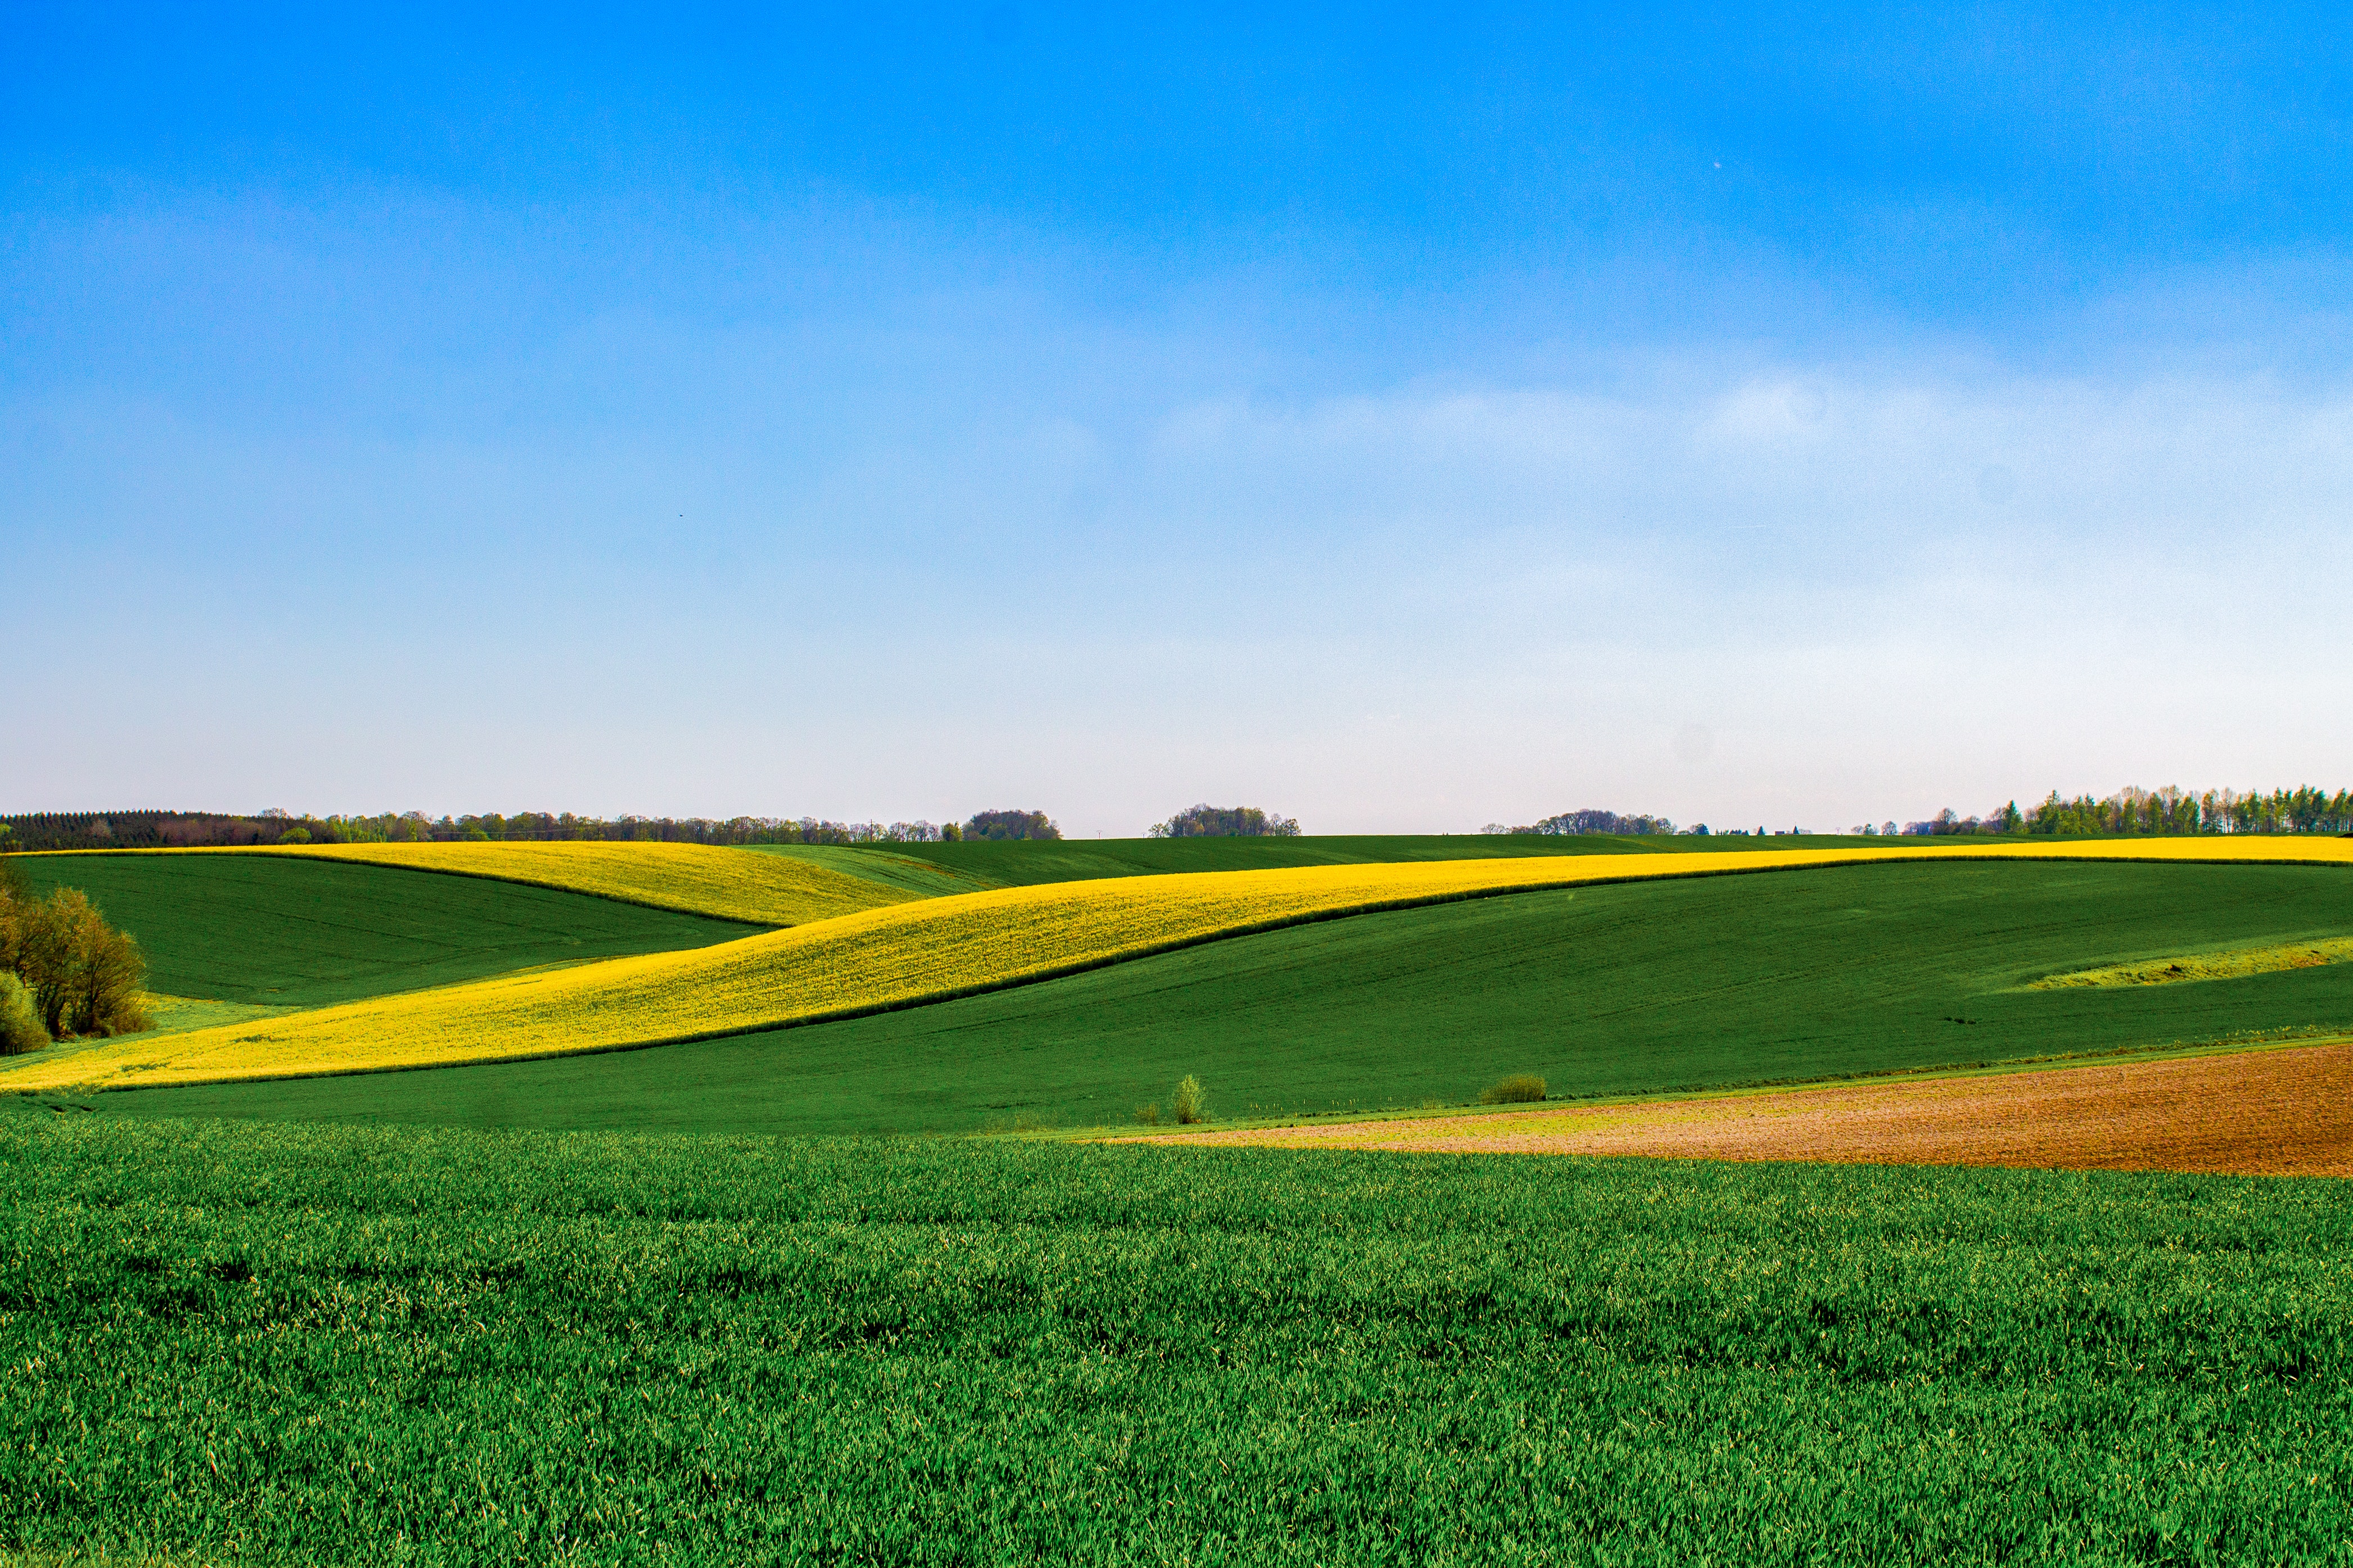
column 1612, row 990
column 1024, row 862
column 300, row 932
column 360, row 1345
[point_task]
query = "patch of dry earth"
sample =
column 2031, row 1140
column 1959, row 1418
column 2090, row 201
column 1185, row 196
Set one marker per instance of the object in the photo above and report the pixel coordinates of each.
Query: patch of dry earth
column 2266, row 1112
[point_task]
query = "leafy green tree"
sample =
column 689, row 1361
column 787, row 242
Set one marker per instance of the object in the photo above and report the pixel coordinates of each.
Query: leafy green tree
column 1206, row 821
column 84, row 975
column 1005, row 824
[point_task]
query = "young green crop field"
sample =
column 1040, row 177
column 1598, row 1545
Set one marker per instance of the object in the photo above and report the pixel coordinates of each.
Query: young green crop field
column 1604, row 990
column 310, row 932
column 881, row 865
column 342, row 1345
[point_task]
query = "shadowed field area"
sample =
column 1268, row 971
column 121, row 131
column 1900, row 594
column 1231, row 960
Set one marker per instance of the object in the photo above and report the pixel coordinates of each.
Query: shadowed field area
column 2278, row 1113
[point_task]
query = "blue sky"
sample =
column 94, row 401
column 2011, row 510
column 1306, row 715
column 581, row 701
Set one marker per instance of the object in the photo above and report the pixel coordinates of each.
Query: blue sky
column 1404, row 422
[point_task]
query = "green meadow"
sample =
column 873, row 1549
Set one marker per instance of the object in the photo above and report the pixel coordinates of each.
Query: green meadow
column 1750, row 979
column 343, row 1345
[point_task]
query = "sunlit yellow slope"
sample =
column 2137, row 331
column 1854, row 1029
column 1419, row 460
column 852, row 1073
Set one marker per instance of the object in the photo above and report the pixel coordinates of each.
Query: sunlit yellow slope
column 924, row 951
column 765, row 890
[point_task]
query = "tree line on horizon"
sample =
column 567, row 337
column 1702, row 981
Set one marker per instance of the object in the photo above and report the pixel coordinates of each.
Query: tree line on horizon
column 2129, row 811
column 1582, row 822
column 2133, row 811
column 175, row 829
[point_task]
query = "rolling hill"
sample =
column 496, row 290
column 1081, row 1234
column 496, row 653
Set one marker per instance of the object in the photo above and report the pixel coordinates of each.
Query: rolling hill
column 1612, row 989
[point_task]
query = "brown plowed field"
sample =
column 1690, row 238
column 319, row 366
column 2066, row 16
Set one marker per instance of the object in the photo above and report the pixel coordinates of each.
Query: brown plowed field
column 2267, row 1112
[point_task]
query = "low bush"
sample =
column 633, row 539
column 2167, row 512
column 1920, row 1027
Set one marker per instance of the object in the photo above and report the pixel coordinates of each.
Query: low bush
column 1515, row 1089
column 1148, row 1113
column 1192, row 1101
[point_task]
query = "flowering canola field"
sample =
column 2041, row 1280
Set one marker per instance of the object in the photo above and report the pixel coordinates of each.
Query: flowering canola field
column 925, row 951
column 694, row 878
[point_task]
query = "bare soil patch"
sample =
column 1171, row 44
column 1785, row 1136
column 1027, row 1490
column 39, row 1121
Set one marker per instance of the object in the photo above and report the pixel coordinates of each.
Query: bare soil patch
column 2264, row 1112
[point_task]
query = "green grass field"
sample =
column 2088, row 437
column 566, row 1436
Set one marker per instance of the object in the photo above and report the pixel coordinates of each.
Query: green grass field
column 1604, row 990
column 306, row 1345
column 263, row 929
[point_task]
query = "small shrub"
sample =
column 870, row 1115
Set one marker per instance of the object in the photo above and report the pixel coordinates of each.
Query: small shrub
column 1513, row 1090
column 1148, row 1114
column 1192, row 1101
column 20, row 1025
column 295, row 836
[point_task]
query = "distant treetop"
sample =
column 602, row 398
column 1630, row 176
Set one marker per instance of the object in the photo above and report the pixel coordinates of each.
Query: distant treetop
column 1574, row 822
column 1225, row 822
column 1010, row 825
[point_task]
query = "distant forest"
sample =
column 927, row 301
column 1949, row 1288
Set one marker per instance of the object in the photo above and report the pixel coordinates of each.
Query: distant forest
column 2135, row 811
column 171, row 830
column 2130, row 811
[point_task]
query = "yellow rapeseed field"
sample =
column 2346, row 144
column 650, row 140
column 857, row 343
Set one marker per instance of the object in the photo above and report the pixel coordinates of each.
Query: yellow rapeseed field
column 765, row 889
column 927, row 951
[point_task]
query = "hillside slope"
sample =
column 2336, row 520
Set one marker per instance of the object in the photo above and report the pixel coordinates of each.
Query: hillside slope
column 923, row 951
column 1618, row 989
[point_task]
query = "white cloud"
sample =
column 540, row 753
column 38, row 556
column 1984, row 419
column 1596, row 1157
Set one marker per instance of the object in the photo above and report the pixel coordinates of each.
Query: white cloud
column 1425, row 606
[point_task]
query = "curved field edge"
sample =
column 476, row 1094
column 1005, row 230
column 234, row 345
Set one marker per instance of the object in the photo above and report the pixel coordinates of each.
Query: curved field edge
column 683, row 879
column 921, row 952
